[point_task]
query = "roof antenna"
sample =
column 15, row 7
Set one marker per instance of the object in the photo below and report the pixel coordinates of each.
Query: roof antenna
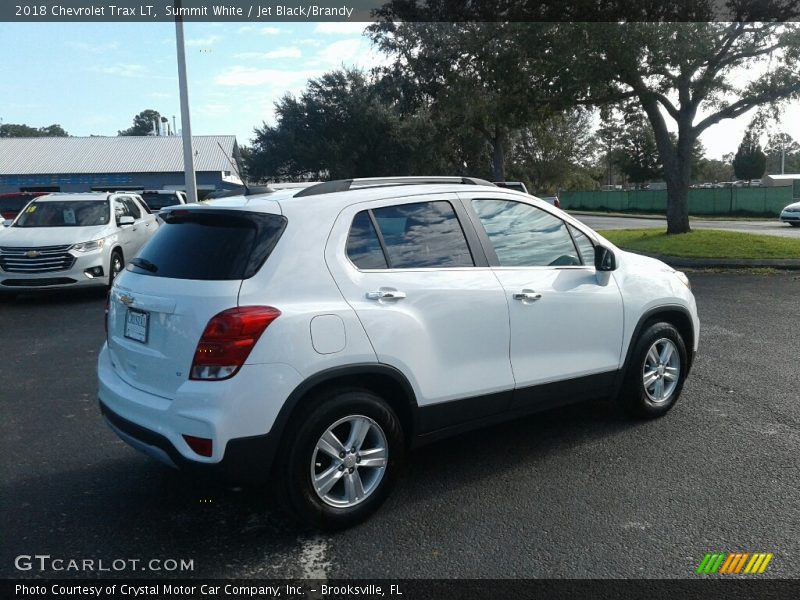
column 235, row 170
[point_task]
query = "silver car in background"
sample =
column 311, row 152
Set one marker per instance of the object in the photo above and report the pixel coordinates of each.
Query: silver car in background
column 73, row 240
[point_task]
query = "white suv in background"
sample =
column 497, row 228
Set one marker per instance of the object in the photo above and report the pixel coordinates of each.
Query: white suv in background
column 73, row 240
column 313, row 336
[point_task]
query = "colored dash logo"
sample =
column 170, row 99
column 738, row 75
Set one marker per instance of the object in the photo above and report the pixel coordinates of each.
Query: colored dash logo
column 734, row 563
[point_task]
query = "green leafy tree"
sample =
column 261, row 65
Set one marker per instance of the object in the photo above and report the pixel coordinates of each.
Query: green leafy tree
column 782, row 150
column 637, row 154
column 142, row 123
column 549, row 154
column 18, row 130
column 750, row 161
column 340, row 127
column 476, row 76
column 683, row 72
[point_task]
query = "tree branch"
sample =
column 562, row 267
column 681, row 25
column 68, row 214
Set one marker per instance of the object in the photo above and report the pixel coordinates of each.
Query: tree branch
column 742, row 105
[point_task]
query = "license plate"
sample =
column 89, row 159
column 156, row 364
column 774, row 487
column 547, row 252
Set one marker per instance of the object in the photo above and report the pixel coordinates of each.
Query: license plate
column 136, row 325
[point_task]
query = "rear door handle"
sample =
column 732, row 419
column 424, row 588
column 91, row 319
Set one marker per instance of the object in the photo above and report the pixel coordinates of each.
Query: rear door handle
column 386, row 294
column 527, row 296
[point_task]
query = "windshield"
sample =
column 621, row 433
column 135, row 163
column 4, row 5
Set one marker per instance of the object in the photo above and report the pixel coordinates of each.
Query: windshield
column 72, row 213
column 159, row 201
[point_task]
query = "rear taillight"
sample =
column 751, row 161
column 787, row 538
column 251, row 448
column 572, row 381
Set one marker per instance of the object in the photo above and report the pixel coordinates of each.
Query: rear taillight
column 8, row 215
column 557, row 203
column 228, row 339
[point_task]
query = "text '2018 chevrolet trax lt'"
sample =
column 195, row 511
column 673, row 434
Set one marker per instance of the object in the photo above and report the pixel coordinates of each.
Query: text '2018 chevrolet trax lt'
column 313, row 336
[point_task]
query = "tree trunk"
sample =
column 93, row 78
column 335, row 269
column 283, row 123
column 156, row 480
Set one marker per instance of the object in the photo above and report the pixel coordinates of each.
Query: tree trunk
column 677, row 163
column 677, row 202
column 498, row 154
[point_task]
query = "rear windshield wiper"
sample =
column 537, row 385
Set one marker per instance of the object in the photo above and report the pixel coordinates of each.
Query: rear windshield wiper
column 145, row 264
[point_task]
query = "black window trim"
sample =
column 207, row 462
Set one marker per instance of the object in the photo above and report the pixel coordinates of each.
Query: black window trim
column 471, row 237
column 486, row 243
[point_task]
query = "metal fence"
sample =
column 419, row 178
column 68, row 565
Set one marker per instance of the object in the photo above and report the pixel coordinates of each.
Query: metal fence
column 704, row 201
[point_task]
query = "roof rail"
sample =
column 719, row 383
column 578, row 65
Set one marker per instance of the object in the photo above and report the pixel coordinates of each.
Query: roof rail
column 343, row 185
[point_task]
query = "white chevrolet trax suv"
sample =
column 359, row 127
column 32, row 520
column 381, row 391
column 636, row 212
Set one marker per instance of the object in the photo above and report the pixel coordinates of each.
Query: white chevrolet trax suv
column 311, row 337
column 73, row 240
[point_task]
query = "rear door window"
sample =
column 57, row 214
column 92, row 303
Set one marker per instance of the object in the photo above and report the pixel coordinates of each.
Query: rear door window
column 422, row 235
column 210, row 245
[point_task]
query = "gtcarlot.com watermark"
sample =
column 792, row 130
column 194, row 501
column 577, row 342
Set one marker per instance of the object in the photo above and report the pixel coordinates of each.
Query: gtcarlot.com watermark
column 48, row 563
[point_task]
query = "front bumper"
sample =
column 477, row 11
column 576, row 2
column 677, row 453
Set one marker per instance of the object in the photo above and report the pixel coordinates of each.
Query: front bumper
column 74, row 277
column 790, row 217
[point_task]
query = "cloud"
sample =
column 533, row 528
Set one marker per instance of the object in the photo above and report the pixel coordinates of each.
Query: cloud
column 206, row 41
column 340, row 27
column 342, row 51
column 270, row 30
column 123, row 70
column 285, row 52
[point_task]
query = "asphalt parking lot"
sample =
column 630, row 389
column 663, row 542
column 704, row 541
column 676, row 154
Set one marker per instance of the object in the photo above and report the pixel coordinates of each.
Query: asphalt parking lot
column 577, row 492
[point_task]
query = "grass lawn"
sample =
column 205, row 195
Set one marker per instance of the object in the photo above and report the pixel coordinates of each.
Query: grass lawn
column 707, row 243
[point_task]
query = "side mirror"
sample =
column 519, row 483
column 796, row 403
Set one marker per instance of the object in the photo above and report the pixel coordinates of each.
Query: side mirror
column 126, row 220
column 604, row 259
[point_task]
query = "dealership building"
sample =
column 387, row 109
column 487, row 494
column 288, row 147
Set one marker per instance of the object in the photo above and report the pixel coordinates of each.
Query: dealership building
column 83, row 164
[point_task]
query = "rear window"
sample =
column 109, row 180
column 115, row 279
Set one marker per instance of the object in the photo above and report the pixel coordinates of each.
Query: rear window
column 159, row 201
column 209, row 245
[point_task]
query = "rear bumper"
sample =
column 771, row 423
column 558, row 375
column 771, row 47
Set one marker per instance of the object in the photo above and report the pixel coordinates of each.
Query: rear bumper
column 237, row 415
column 244, row 459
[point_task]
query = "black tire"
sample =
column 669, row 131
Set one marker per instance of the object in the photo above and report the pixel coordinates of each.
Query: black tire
column 116, row 264
column 634, row 398
column 293, row 469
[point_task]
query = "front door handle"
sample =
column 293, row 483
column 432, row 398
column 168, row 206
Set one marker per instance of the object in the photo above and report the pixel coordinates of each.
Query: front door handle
column 386, row 294
column 527, row 296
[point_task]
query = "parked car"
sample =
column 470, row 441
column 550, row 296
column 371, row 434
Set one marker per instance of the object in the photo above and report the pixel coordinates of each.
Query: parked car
column 11, row 204
column 73, row 240
column 517, row 186
column 157, row 200
column 791, row 214
column 312, row 337
column 552, row 200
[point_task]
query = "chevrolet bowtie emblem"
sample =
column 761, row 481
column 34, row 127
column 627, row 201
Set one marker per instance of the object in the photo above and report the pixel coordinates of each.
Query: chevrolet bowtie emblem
column 126, row 300
column 32, row 253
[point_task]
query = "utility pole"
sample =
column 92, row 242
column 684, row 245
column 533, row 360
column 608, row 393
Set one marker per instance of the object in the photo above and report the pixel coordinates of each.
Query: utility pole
column 186, row 127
